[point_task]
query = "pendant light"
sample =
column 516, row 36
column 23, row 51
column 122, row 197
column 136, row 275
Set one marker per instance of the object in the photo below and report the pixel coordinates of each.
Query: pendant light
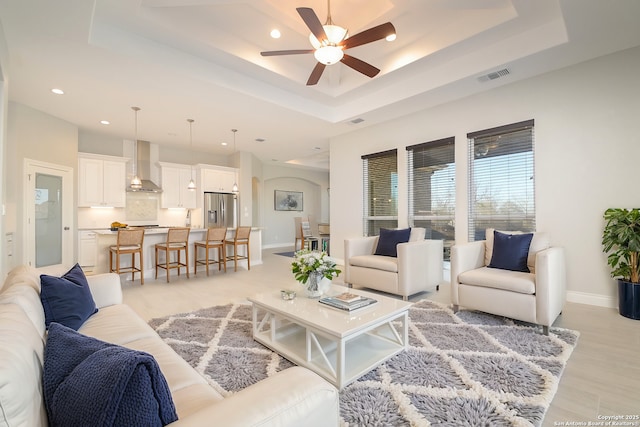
column 235, row 184
column 192, row 184
column 136, row 183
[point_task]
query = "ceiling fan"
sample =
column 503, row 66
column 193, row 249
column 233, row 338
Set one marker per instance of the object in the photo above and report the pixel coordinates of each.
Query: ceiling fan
column 329, row 42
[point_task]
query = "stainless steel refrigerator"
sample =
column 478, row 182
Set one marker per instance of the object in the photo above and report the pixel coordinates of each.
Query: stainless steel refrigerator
column 220, row 210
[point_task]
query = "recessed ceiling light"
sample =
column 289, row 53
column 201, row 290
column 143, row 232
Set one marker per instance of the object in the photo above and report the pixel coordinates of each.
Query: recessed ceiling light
column 223, row 143
column 57, row 91
column 275, row 34
column 391, row 37
column 105, row 122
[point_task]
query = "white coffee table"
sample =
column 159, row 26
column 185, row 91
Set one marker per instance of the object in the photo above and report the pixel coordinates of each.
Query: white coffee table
column 337, row 345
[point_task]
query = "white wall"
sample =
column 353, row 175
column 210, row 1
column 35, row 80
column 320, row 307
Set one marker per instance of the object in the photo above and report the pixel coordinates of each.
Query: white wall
column 278, row 226
column 34, row 135
column 587, row 148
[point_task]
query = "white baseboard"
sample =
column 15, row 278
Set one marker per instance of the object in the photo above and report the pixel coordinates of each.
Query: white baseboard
column 277, row 245
column 592, row 299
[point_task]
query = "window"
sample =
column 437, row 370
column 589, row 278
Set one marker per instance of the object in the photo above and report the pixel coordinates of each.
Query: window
column 501, row 179
column 432, row 189
column 380, row 175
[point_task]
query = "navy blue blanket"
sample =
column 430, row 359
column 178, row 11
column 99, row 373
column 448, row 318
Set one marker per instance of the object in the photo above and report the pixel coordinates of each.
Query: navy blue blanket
column 88, row 382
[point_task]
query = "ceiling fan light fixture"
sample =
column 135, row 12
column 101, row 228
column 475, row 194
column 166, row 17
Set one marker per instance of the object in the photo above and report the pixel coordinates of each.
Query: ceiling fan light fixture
column 391, row 37
column 329, row 42
column 335, row 34
column 328, row 55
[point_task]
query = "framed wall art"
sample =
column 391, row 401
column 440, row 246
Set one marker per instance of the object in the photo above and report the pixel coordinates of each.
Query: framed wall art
column 287, row 200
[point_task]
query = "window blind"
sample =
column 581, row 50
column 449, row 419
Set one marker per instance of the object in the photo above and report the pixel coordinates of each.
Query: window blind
column 432, row 189
column 501, row 179
column 380, row 185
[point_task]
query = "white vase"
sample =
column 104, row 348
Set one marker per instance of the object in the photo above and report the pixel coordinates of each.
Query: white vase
column 316, row 285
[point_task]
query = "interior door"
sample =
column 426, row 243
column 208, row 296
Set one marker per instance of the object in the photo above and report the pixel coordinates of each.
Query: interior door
column 49, row 215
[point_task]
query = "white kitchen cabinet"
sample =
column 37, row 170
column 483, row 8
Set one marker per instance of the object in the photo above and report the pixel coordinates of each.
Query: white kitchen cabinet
column 87, row 249
column 218, row 179
column 175, row 179
column 101, row 181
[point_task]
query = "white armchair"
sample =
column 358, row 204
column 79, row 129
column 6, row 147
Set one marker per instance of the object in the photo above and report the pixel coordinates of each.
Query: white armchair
column 418, row 266
column 536, row 297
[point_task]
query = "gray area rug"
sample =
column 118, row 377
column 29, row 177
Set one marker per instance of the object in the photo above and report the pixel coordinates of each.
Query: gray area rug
column 287, row 254
column 464, row 369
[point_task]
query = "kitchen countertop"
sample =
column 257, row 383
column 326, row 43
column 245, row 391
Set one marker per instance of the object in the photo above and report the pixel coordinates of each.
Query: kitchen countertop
column 155, row 230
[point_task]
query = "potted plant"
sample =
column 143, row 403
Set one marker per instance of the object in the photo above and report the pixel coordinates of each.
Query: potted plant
column 621, row 241
column 314, row 270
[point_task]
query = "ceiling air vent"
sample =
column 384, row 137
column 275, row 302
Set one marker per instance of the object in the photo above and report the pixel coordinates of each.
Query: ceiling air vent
column 494, row 75
column 356, row 121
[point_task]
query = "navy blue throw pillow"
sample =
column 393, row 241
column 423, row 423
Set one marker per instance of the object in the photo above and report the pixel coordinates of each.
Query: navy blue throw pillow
column 88, row 382
column 389, row 239
column 510, row 251
column 67, row 300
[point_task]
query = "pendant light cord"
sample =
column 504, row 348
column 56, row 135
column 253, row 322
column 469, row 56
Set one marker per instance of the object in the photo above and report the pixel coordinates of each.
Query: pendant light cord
column 135, row 181
column 192, row 184
column 235, row 184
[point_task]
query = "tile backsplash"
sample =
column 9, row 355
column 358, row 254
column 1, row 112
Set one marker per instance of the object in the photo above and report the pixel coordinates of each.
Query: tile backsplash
column 142, row 207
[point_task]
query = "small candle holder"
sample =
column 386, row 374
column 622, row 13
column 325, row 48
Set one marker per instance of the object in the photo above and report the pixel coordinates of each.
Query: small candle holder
column 287, row 294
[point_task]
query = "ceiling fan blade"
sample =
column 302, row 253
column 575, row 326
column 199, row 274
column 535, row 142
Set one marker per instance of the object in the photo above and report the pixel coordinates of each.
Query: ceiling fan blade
column 311, row 19
column 315, row 74
column 360, row 66
column 371, row 35
column 286, row 52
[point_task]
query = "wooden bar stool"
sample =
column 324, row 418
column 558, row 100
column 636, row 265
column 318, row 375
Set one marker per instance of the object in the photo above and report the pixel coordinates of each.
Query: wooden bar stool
column 215, row 239
column 177, row 241
column 128, row 242
column 241, row 238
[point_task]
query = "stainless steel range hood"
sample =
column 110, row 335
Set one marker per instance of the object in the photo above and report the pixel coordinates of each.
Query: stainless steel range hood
column 143, row 169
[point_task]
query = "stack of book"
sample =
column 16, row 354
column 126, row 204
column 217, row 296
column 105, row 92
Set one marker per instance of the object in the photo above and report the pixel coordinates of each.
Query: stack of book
column 347, row 301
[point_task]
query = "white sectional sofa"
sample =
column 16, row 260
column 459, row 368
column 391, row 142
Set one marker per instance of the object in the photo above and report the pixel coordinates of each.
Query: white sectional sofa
column 293, row 397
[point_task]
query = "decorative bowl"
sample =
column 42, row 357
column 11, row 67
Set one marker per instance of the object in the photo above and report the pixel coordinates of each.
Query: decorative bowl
column 287, row 295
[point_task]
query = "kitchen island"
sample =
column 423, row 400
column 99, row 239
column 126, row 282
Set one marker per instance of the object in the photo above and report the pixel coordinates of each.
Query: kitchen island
column 106, row 238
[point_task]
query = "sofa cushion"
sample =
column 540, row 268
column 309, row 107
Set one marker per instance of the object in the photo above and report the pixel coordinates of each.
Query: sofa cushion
column 22, row 275
column 28, row 300
column 90, row 382
column 510, row 251
column 117, row 324
column 389, row 239
column 377, row 262
column 21, row 356
column 67, row 299
column 539, row 242
column 514, row 281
